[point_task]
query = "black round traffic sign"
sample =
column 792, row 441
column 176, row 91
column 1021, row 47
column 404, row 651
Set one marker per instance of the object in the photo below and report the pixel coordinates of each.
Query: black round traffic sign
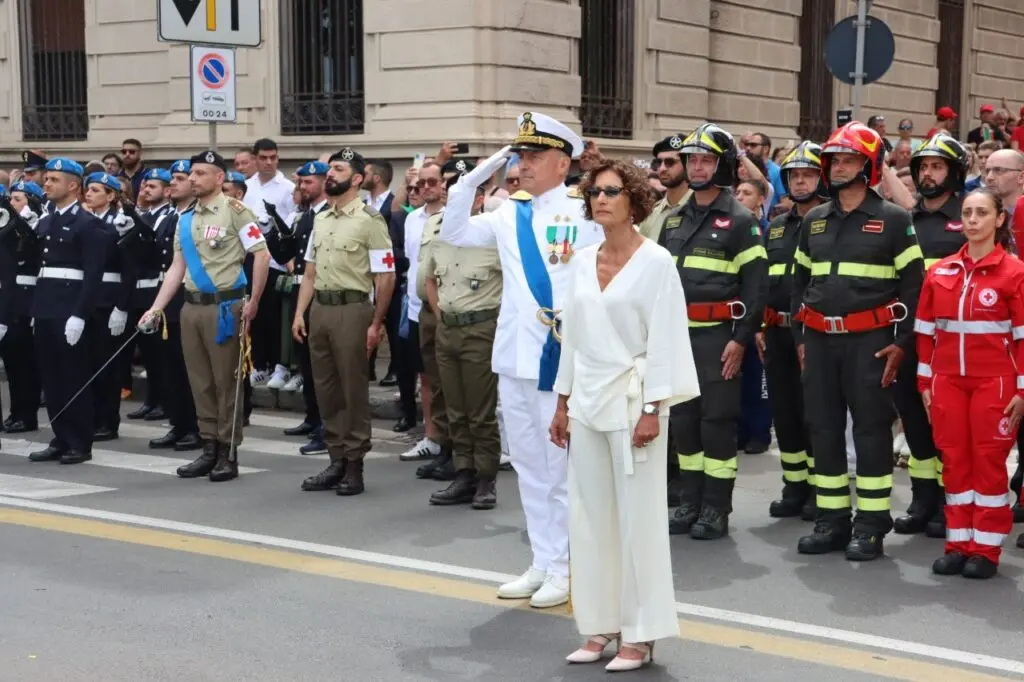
column 841, row 49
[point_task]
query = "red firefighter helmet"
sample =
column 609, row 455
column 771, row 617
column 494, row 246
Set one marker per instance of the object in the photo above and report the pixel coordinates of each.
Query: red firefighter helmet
column 854, row 138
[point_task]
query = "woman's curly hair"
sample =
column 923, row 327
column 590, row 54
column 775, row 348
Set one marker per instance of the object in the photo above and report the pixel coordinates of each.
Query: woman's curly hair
column 634, row 181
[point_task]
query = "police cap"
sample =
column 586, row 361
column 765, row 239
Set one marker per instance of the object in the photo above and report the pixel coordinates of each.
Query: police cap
column 182, row 166
column 235, row 177
column 28, row 187
column 106, row 179
column 33, row 161
column 158, row 174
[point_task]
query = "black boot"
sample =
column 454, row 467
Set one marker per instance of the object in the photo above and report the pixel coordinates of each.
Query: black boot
column 141, row 412
column 826, row 537
column 461, row 491
column 923, row 506
column 865, row 545
column 352, row 483
column 328, row 479
column 810, row 509
column 427, row 470
column 303, row 429
column 794, row 497
column 226, row 468
column 204, row 464
column 486, row 495
column 980, row 568
column 950, row 564
column 75, row 457
column 712, row 524
column 683, row 519
column 190, row 441
column 166, row 441
column 445, row 471
column 936, row 527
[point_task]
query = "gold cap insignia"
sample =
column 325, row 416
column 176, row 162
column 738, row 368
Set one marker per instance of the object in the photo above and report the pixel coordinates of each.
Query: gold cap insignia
column 527, row 127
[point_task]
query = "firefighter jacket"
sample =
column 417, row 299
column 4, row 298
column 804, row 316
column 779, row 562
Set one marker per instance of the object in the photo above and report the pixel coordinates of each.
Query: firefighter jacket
column 783, row 235
column 941, row 232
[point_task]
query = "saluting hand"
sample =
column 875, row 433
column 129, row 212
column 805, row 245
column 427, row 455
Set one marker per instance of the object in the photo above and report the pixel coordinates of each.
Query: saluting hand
column 1015, row 410
column 893, row 355
column 732, row 358
column 299, row 329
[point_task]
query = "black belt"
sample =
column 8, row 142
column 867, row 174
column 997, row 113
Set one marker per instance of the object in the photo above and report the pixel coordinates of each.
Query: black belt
column 466, row 319
column 343, row 297
column 199, row 298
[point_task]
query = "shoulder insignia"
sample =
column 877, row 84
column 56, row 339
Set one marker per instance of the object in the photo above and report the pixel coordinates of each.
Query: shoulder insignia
column 574, row 192
column 370, row 211
column 951, row 226
column 777, row 232
column 874, row 226
column 236, row 205
column 818, row 226
column 521, row 195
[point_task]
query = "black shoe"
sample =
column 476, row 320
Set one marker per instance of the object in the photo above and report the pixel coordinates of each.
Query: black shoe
column 910, row 524
column 166, row 441
column 980, row 568
column 202, row 465
column 75, row 457
column 710, row 525
column 445, row 472
column 47, row 454
column 675, row 497
column 190, row 441
column 461, row 491
column 403, row 425
column 865, row 545
column 936, row 528
column 683, row 519
column 328, row 479
column 427, row 470
column 810, row 509
column 1018, row 512
column 823, row 539
column 141, row 413
column 786, row 507
column 388, row 380
column 950, row 564
column 352, row 483
column 756, row 447
column 7, row 422
column 226, row 468
column 104, row 434
column 19, row 426
column 486, row 496
column 303, row 429
column 156, row 415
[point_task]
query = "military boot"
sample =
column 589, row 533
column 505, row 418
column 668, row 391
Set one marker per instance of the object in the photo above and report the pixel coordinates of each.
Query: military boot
column 826, row 537
column 352, row 483
column 226, row 468
column 486, row 495
column 683, row 519
column 810, row 509
column 865, row 545
column 712, row 524
column 427, row 470
column 794, row 496
column 461, row 491
column 923, row 506
column 204, row 464
column 328, row 479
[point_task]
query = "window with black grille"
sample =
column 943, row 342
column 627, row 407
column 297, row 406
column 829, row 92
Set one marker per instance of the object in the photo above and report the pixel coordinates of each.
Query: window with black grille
column 606, row 60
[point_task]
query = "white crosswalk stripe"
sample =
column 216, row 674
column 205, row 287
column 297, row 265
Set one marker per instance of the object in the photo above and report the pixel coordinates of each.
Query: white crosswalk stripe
column 31, row 488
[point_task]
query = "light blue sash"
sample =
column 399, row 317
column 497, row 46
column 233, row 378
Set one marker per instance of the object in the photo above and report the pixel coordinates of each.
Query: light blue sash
column 201, row 278
column 539, row 281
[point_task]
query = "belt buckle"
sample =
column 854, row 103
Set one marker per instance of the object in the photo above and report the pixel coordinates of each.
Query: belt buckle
column 893, row 307
column 835, row 325
column 784, row 319
column 733, row 306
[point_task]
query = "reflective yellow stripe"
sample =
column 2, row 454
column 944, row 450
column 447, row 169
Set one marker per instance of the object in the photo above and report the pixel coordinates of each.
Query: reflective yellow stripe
column 713, row 264
column 810, row 462
column 873, row 504
column 801, row 258
column 693, row 462
column 747, row 255
column 874, row 482
column 675, row 259
column 836, row 502
column 706, row 139
column 716, row 468
column 865, row 270
column 795, row 476
column 938, row 465
column 794, row 457
column 777, row 270
column 928, row 262
column 838, row 482
column 691, row 323
column 922, row 469
column 819, row 269
column 909, row 255
column 812, row 478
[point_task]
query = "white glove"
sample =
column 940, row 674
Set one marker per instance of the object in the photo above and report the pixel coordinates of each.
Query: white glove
column 5, row 217
column 117, row 323
column 123, row 224
column 3, row 331
column 73, row 330
column 485, row 170
column 30, row 216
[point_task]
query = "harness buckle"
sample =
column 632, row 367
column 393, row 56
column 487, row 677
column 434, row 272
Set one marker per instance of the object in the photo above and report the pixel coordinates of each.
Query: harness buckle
column 835, row 324
column 893, row 307
column 733, row 306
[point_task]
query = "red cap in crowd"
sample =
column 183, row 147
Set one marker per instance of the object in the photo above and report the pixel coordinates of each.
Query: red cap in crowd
column 946, row 113
column 987, row 109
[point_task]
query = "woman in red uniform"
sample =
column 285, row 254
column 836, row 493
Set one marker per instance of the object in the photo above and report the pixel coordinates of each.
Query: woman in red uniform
column 970, row 326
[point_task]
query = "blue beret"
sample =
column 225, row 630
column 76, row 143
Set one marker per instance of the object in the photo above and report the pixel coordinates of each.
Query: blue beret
column 106, row 179
column 158, row 174
column 65, row 165
column 28, row 187
column 182, row 166
column 3, row 190
column 313, row 168
column 235, row 177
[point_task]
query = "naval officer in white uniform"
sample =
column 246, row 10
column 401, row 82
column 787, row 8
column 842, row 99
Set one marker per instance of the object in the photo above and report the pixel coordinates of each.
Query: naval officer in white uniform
column 537, row 233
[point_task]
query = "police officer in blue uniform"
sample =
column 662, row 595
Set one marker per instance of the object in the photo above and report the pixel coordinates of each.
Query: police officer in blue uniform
column 74, row 247
column 19, row 266
column 34, row 166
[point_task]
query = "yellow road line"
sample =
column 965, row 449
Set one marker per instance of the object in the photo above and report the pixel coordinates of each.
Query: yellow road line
column 794, row 648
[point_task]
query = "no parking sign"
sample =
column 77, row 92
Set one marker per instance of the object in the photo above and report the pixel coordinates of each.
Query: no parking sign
column 213, row 84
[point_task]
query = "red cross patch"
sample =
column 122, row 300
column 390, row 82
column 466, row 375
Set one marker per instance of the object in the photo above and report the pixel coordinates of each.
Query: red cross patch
column 722, row 223
column 873, row 226
column 388, row 260
column 954, row 226
column 254, row 232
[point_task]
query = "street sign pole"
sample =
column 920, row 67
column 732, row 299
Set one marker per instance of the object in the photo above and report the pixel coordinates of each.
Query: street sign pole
column 858, row 68
column 213, row 136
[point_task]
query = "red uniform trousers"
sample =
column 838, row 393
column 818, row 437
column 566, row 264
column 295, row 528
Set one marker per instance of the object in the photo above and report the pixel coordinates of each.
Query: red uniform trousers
column 975, row 439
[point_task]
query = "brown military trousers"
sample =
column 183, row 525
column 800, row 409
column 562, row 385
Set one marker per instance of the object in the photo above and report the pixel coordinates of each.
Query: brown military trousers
column 428, row 351
column 471, row 394
column 341, row 374
column 211, row 370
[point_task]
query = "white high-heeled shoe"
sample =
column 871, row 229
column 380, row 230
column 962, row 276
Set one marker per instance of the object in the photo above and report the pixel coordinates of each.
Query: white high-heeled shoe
column 585, row 655
column 620, row 664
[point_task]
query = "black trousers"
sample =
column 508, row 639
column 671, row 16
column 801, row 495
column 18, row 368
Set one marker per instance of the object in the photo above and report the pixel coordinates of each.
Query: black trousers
column 704, row 429
column 841, row 371
column 391, row 323
column 149, row 349
column 177, row 393
column 266, row 327
column 782, row 371
column 925, row 466
column 106, row 387
column 64, row 370
column 306, row 367
column 19, row 356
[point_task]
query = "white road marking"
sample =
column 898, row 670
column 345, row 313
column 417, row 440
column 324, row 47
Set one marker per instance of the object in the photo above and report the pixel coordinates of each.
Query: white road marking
column 150, row 464
column 42, row 489
column 271, row 421
column 896, row 646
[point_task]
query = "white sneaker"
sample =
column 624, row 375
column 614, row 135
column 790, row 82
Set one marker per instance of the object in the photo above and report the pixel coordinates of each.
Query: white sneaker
column 279, row 378
column 505, row 463
column 294, row 384
column 554, row 592
column 425, row 449
column 522, row 587
column 257, row 378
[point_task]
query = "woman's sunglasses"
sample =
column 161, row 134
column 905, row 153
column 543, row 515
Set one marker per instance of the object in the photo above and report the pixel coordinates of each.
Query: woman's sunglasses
column 610, row 192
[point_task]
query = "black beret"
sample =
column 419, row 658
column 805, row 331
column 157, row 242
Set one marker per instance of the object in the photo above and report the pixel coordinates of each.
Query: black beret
column 211, row 157
column 459, row 166
column 351, row 157
column 672, row 143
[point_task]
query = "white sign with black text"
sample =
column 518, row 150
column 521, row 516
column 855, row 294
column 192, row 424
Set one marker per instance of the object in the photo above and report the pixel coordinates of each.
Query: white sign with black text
column 213, row 22
column 213, row 84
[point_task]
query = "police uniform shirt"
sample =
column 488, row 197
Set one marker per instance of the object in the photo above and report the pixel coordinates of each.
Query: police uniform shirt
column 349, row 245
column 652, row 225
column 468, row 278
column 223, row 231
column 783, row 235
column 941, row 232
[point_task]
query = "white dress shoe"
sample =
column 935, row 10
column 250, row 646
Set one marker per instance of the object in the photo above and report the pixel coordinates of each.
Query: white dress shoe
column 620, row 664
column 554, row 592
column 522, row 587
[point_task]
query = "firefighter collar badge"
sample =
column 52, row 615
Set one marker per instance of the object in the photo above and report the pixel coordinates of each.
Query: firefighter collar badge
column 561, row 239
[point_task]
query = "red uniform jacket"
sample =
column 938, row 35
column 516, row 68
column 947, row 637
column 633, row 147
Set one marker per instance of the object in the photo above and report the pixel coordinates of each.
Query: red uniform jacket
column 970, row 318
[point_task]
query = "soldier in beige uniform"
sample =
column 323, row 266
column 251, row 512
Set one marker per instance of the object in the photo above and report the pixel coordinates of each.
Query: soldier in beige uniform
column 348, row 256
column 464, row 287
column 669, row 166
column 211, row 243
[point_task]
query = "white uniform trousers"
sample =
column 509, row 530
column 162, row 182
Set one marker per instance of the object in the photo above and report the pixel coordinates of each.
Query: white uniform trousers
column 621, row 568
column 541, row 468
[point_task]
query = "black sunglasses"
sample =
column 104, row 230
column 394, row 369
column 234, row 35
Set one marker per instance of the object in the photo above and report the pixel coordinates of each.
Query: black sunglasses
column 610, row 192
column 667, row 163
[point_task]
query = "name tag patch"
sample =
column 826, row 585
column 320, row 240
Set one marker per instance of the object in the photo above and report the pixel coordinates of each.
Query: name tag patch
column 673, row 223
column 722, row 223
column 776, row 233
column 954, row 226
column 818, row 226
column 873, row 226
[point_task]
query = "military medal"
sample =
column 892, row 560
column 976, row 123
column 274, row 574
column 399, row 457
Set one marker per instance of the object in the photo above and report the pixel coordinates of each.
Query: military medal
column 552, row 239
column 567, row 249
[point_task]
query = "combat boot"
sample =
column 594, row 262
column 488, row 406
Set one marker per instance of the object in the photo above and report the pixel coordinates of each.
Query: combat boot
column 204, row 464
column 226, row 468
column 810, row 509
column 486, row 496
column 683, row 519
column 427, row 470
column 328, row 479
column 712, row 524
column 794, row 496
column 865, row 545
column 826, row 537
column 461, row 491
column 352, row 483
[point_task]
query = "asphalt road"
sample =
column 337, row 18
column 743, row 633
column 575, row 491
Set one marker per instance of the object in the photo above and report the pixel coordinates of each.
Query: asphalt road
column 117, row 570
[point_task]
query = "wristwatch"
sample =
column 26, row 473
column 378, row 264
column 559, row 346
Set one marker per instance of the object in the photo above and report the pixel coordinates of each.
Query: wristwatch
column 650, row 409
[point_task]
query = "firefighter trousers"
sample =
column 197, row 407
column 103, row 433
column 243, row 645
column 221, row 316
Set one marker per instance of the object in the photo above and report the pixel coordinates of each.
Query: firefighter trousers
column 782, row 370
column 925, row 466
column 842, row 372
column 975, row 438
column 704, row 429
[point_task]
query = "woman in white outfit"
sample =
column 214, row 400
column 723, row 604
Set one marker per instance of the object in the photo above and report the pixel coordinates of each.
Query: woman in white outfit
column 625, row 360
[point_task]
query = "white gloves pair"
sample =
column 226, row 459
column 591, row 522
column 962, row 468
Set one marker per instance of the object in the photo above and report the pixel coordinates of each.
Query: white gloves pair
column 118, row 321
column 123, row 224
column 73, row 329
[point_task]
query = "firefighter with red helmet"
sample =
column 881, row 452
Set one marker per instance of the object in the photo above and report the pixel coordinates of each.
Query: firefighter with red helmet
column 857, row 276
column 939, row 170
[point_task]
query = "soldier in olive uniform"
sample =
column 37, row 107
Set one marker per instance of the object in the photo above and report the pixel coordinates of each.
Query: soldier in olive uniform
column 348, row 256
column 211, row 244
column 463, row 288
column 668, row 164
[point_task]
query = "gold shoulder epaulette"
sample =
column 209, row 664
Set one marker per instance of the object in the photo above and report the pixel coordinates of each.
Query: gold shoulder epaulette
column 521, row 195
column 574, row 192
column 236, row 205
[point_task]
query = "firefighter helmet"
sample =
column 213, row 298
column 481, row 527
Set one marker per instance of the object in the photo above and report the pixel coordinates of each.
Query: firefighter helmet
column 709, row 138
column 854, row 138
column 806, row 155
column 952, row 151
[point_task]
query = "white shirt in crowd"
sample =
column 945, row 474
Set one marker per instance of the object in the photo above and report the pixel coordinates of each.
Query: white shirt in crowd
column 378, row 201
column 414, row 224
column 277, row 191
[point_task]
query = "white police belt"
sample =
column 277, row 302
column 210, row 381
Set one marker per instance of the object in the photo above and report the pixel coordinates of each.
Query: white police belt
column 151, row 283
column 112, row 277
column 297, row 279
column 25, row 280
column 61, row 273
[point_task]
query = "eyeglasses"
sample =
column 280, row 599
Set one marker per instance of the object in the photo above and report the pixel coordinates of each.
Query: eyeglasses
column 752, row 145
column 129, row 151
column 610, row 192
column 999, row 170
column 667, row 163
column 427, row 182
column 905, row 126
column 512, row 181
column 411, row 189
